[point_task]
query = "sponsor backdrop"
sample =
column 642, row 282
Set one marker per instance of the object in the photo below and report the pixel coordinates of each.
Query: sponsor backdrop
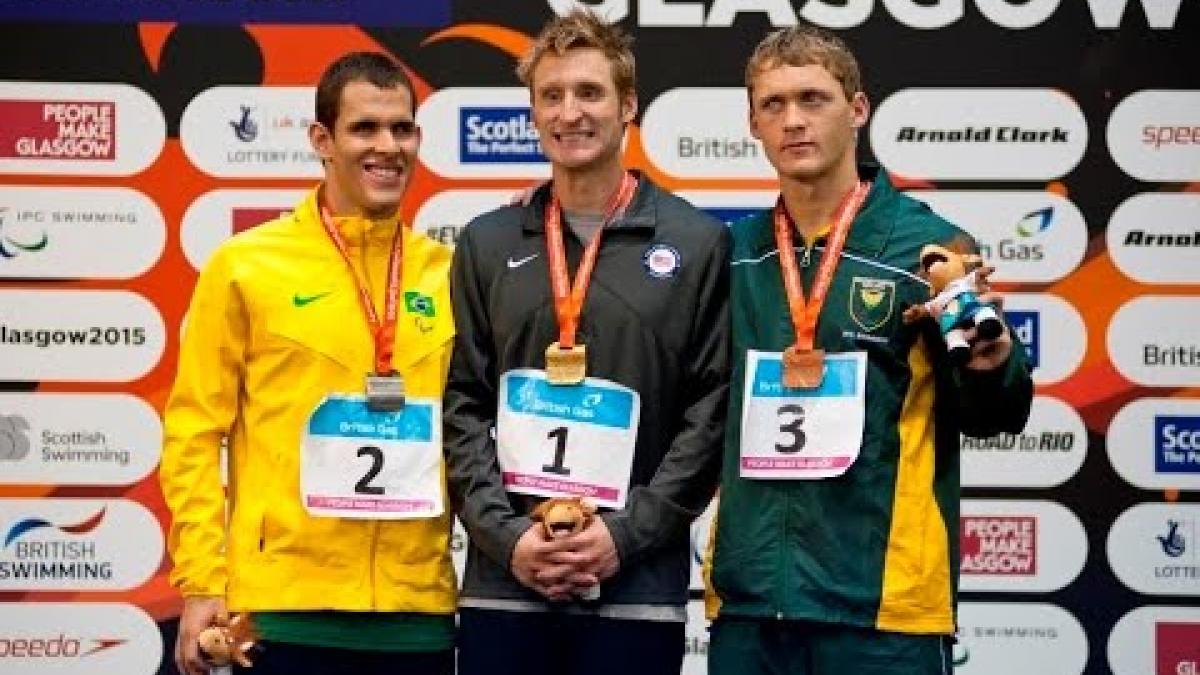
column 1065, row 136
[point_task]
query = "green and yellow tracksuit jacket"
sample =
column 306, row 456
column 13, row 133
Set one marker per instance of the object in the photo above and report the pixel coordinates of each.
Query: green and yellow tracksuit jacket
column 876, row 547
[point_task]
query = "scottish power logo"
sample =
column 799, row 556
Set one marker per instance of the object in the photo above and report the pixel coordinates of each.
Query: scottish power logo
column 1177, row 444
column 498, row 135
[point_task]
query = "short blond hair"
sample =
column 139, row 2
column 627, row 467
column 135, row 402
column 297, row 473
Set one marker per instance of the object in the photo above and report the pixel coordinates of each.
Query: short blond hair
column 582, row 29
column 806, row 46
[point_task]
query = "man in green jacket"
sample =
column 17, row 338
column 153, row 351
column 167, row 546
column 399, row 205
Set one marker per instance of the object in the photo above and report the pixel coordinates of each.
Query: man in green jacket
column 836, row 548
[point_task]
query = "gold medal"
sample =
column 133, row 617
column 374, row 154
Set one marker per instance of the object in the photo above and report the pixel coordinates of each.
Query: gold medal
column 803, row 368
column 566, row 366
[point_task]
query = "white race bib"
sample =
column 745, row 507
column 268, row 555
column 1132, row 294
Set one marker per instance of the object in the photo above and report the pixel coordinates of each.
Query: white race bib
column 378, row 465
column 802, row 433
column 566, row 440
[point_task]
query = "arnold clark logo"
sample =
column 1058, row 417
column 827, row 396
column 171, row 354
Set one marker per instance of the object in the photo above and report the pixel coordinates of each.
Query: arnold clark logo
column 1154, row 135
column 1155, row 340
column 56, row 234
column 1002, row 638
column 1028, row 236
column 477, row 132
column 1153, row 549
column 109, row 336
column 1051, row 331
column 77, row 439
column 1048, row 452
column 1019, row 546
column 979, row 134
column 78, row 128
column 77, row 638
column 77, row 544
column 1154, row 237
column 702, row 132
column 1154, row 443
column 215, row 216
column 1156, row 640
column 250, row 132
column 444, row 215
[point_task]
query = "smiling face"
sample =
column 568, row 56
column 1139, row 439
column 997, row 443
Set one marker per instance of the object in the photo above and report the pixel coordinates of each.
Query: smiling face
column 579, row 113
column 805, row 122
column 370, row 152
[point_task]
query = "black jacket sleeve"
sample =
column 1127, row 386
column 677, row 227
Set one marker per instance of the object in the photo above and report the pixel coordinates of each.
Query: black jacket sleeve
column 472, row 467
column 658, row 513
column 996, row 401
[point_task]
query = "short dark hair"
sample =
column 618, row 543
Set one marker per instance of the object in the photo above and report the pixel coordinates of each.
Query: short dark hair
column 378, row 69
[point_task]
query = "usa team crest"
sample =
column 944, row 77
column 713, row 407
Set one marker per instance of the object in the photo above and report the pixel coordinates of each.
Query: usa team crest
column 871, row 302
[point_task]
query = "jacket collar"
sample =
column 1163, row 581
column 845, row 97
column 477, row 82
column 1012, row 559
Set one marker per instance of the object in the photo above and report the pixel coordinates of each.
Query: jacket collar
column 354, row 229
column 642, row 213
column 871, row 229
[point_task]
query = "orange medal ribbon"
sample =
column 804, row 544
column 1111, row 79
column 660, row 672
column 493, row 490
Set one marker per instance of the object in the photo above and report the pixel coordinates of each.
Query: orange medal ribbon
column 804, row 366
column 383, row 331
column 568, row 297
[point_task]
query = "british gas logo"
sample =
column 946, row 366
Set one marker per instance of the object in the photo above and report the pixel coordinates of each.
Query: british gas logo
column 1029, row 236
column 702, row 132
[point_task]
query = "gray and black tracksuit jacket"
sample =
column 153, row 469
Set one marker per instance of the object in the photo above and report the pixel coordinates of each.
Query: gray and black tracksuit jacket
column 663, row 332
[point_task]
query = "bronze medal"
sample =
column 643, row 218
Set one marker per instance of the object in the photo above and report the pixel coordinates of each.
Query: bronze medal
column 566, row 366
column 803, row 368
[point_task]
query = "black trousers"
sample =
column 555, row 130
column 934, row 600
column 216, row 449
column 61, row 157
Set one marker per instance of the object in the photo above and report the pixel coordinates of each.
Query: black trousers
column 495, row 642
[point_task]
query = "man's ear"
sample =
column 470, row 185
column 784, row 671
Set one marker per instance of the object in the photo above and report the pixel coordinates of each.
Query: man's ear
column 629, row 107
column 321, row 139
column 860, row 110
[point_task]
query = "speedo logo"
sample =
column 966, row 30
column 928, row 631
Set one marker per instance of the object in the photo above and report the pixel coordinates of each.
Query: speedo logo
column 51, row 647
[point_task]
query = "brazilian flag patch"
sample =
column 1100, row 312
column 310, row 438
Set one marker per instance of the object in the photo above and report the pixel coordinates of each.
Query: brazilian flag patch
column 417, row 303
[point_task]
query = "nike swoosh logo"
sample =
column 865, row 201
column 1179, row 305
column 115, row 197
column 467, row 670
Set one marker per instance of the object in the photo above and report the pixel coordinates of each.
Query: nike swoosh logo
column 514, row 264
column 302, row 300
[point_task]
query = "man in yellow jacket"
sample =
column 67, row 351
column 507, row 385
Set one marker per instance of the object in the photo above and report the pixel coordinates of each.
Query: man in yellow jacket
column 316, row 347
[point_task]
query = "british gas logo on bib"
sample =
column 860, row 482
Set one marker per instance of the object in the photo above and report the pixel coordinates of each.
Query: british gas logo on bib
column 595, row 405
column 489, row 135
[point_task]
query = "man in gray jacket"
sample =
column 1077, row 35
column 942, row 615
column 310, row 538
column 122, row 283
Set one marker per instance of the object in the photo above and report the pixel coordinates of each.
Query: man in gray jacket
column 591, row 360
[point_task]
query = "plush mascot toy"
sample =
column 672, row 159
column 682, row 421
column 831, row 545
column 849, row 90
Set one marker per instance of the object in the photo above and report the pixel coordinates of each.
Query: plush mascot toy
column 229, row 641
column 563, row 516
column 953, row 283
